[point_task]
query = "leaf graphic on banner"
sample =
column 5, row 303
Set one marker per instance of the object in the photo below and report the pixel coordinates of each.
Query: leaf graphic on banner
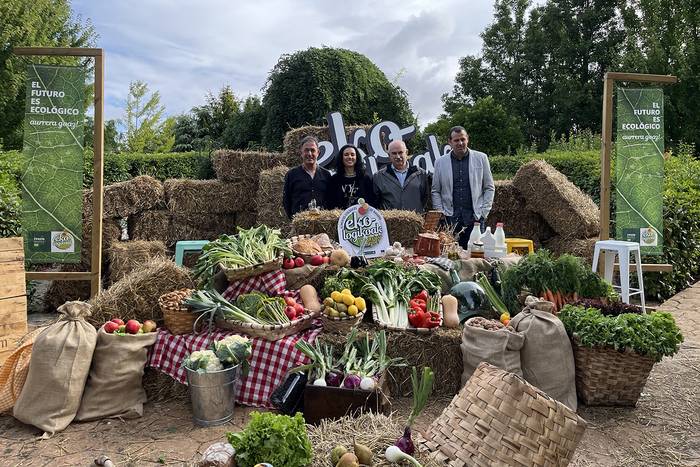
column 52, row 175
column 639, row 165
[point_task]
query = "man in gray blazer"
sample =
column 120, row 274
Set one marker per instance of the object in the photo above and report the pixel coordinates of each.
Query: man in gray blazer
column 462, row 186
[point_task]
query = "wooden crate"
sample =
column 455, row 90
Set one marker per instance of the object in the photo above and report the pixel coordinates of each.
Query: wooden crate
column 13, row 295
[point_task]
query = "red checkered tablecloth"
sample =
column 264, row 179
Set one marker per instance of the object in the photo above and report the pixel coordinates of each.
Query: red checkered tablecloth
column 269, row 361
column 272, row 283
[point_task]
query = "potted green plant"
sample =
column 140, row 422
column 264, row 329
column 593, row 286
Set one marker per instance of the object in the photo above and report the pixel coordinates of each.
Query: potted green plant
column 615, row 349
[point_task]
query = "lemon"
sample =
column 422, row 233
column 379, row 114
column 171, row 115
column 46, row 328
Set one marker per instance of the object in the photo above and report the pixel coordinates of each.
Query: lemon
column 336, row 296
column 348, row 299
column 352, row 310
column 505, row 317
column 360, row 303
column 346, row 291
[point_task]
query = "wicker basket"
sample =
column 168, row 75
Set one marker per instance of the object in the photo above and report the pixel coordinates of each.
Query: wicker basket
column 409, row 328
column 178, row 318
column 237, row 274
column 500, row 419
column 605, row 376
column 306, row 256
column 341, row 325
column 269, row 332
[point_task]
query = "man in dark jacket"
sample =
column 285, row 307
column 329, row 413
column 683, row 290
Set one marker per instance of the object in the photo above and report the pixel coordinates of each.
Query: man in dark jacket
column 398, row 186
column 306, row 182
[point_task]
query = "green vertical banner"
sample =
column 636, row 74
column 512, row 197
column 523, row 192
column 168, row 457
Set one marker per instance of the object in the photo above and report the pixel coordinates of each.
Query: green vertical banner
column 52, row 175
column 639, row 168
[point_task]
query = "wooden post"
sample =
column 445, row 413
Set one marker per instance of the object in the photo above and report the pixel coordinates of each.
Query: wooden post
column 95, row 273
column 13, row 296
column 606, row 149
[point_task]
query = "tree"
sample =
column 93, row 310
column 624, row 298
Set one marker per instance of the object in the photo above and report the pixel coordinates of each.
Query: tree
column 304, row 86
column 244, row 131
column 491, row 129
column 110, row 138
column 46, row 23
column 143, row 119
column 214, row 116
column 185, row 134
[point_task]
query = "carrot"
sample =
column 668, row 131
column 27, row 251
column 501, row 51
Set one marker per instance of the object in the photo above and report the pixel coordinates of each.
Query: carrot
column 550, row 296
column 575, row 297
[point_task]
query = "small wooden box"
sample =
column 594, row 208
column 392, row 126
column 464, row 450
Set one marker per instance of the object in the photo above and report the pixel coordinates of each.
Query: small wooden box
column 13, row 295
column 321, row 402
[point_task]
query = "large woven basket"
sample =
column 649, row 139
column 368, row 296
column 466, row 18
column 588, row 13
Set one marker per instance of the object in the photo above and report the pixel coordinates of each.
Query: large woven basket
column 269, row 332
column 500, row 419
column 306, row 256
column 409, row 328
column 607, row 377
column 237, row 274
column 178, row 318
column 341, row 325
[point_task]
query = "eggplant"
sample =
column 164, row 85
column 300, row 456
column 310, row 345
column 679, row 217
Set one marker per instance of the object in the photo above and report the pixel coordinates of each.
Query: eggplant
column 471, row 297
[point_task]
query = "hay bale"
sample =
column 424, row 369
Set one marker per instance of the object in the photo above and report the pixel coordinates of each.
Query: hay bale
column 246, row 219
column 439, row 350
column 60, row 292
column 568, row 210
column 268, row 201
column 160, row 387
column 403, row 226
column 244, row 167
column 293, row 137
column 124, row 257
column 135, row 296
column 111, row 234
column 125, row 198
column 151, row 225
column 582, row 248
column 202, row 226
column 312, row 223
column 183, row 196
column 519, row 222
column 376, row 431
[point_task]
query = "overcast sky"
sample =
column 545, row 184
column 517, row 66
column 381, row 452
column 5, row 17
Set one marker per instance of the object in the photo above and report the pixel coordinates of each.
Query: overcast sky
column 183, row 49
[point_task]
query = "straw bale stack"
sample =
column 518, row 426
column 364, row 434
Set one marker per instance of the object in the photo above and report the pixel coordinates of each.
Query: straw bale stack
column 135, row 296
column 111, row 234
column 269, row 199
column 124, row 257
column 569, row 211
column 403, row 226
column 244, row 167
column 151, row 225
column 312, row 223
column 184, row 196
column 510, row 208
column 201, row 226
column 60, row 292
column 125, row 198
column 582, row 248
column 246, row 219
column 293, row 137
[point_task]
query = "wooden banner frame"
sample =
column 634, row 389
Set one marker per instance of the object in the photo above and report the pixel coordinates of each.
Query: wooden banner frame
column 606, row 149
column 95, row 273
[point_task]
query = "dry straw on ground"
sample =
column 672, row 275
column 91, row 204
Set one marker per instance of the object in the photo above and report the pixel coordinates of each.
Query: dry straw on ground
column 568, row 210
column 135, row 195
column 184, row 197
column 293, row 137
column 124, row 257
column 577, row 247
column 269, row 199
column 520, row 222
column 136, row 295
column 375, row 431
column 439, row 350
column 160, row 387
column 151, row 225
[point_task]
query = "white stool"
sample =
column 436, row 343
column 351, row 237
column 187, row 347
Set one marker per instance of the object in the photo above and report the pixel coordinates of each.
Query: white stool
column 623, row 251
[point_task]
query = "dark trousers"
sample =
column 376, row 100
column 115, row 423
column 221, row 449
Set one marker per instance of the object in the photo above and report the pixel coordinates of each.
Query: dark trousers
column 459, row 224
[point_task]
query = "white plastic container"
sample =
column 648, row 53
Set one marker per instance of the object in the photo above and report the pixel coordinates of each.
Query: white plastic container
column 489, row 242
column 475, row 236
column 500, row 237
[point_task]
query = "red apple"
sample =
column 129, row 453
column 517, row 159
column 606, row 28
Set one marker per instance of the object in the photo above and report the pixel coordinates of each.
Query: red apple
column 362, row 210
column 316, row 260
column 288, row 263
column 133, row 326
column 290, row 312
column 299, row 261
column 110, row 327
column 299, row 309
column 289, row 301
column 326, row 259
column 118, row 321
column 149, row 326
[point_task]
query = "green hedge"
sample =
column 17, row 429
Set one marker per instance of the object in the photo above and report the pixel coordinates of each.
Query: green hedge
column 10, row 206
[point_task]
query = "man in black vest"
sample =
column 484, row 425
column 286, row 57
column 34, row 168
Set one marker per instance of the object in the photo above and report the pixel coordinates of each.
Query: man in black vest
column 306, row 182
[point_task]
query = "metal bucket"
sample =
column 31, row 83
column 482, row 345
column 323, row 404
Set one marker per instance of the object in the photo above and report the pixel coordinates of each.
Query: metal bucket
column 213, row 395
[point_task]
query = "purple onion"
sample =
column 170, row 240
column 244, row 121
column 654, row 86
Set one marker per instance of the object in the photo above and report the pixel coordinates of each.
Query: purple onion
column 334, row 379
column 405, row 443
column 352, row 381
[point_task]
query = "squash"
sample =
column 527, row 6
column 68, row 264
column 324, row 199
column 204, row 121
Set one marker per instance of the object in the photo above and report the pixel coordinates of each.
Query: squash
column 450, row 313
column 309, row 298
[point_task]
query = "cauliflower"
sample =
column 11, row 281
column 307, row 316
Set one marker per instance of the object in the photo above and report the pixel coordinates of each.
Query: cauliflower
column 203, row 361
column 233, row 350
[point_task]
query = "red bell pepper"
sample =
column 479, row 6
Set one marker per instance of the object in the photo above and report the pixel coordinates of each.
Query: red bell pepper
column 417, row 302
column 433, row 320
column 423, row 295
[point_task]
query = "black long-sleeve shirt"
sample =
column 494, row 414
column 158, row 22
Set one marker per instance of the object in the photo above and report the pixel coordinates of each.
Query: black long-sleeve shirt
column 300, row 189
column 344, row 191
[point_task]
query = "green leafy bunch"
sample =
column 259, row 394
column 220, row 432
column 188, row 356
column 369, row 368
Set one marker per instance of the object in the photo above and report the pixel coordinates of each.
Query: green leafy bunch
column 279, row 440
column 654, row 335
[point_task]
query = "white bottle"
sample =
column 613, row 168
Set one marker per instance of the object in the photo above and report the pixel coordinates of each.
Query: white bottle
column 475, row 236
column 500, row 236
column 489, row 242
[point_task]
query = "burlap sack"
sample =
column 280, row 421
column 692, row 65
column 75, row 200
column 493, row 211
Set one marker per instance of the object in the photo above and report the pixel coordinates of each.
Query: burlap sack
column 546, row 358
column 114, row 387
column 58, row 369
column 500, row 348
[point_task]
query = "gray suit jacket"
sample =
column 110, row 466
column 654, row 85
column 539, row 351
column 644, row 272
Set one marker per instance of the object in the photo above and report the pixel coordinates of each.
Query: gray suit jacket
column 480, row 179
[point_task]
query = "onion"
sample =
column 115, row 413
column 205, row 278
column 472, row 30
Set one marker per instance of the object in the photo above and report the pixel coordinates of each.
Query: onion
column 394, row 454
column 367, row 384
column 334, row 379
column 352, row 381
column 405, row 443
column 320, row 382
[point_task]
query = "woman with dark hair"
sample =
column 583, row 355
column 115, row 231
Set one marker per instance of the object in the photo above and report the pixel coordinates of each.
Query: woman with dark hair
column 350, row 182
